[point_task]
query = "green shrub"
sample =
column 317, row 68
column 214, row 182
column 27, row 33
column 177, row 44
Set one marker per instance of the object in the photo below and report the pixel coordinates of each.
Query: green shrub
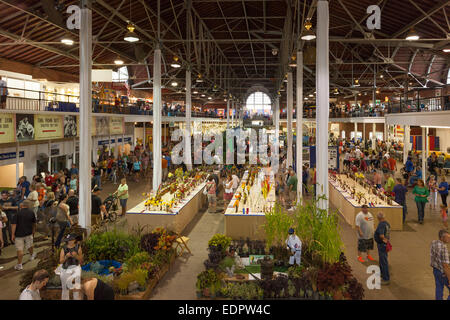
column 137, row 260
column 220, row 240
column 111, row 245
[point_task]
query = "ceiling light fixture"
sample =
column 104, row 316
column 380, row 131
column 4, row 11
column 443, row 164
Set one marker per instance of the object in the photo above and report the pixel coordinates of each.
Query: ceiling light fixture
column 175, row 63
column 209, row 98
column 293, row 64
column 195, row 92
column 203, row 95
column 67, row 40
column 446, row 49
column 309, row 34
column 412, row 35
column 131, row 36
column 199, row 78
column 336, row 91
column 174, row 84
column 118, row 62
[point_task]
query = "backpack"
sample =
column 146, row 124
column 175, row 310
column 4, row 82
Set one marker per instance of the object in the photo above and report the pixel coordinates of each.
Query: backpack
column 61, row 216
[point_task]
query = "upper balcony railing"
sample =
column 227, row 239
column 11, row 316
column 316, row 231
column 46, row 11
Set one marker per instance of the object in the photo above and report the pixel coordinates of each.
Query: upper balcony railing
column 31, row 100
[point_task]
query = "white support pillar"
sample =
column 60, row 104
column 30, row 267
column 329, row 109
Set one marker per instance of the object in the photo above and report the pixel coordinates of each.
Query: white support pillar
column 374, row 138
column 386, row 130
column 424, row 152
column 290, row 106
column 364, row 135
column 187, row 150
column 299, row 123
column 49, row 165
column 277, row 117
column 406, row 137
column 232, row 113
column 74, row 157
column 157, row 156
column 17, row 161
column 356, row 130
column 85, row 118
column 109, row 144
column 228, row 113
column 145, row 136
column 323, row 99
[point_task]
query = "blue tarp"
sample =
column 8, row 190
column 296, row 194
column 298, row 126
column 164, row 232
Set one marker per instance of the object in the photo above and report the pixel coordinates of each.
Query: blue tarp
column 105, row 263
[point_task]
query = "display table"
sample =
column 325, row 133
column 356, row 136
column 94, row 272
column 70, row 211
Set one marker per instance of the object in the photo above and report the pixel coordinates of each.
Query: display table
column 176, row 220
column 349, row 208
column 239, row 225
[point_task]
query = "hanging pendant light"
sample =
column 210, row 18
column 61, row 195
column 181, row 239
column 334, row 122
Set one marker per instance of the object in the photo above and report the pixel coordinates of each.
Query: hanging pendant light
column 446, row 49
column 67, row 40
column 412, row 35
column 357, row 83
column 131, row 36
column 336, row 91
column 175, row 63
column 199, row 78
column 118, row 62
column 309, row 34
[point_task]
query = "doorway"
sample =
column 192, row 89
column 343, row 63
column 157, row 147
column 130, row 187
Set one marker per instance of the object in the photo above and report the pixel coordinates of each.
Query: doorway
column 59, row 163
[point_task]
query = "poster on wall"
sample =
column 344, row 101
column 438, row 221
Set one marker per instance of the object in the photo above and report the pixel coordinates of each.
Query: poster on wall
column 116, row 125
column 24, row 127
column 101, row 126
column 70, row 126
column 7, row 129
column 48, row 127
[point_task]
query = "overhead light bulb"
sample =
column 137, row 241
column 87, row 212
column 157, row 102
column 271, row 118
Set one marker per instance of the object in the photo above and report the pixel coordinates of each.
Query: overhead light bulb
column 199, row 78
column 118, row 62
column 203, row 95
column 446, row 50
column 131, row 36
column 311, row 95
column 412, row 35
column 309, row 34
column 174, row 84
column 336, row 91
column 67, row 40
column 381, row 76
column 306, row 98
column 209, row 98
column 175, row 63
column 195, row 92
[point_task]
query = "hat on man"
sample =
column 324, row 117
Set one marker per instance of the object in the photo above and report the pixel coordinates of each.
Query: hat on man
column 291, row 231
column 69, row 237
column 96, row 189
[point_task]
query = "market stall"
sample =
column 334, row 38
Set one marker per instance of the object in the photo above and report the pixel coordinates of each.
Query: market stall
column 172, row 208
column 245, row 214
column 348, row 195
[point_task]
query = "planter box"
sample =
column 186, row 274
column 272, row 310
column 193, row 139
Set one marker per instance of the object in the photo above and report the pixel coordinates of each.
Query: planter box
column 145, row 295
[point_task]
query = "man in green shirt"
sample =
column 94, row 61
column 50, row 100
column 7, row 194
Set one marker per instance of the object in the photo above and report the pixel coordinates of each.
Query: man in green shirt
column 292, row 185
column 390, row 183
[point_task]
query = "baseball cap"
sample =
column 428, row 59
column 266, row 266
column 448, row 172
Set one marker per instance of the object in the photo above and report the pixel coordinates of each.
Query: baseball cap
column 291, row 231
column 69, row 237
column 97, row 189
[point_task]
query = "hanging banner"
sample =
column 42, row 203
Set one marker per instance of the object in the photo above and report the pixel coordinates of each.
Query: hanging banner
column 48, row 127
column 24, row 127
column 116, row 125
column 70, row 126
column 7, row 128
column 100, row 126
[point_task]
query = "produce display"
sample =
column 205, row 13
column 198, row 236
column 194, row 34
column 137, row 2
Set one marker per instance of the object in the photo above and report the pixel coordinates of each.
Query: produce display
column 255, row 194
column 176, row 191
column 359, row 191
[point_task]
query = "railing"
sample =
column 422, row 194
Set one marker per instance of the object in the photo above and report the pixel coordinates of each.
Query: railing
column 31, row 100
column 440, row 103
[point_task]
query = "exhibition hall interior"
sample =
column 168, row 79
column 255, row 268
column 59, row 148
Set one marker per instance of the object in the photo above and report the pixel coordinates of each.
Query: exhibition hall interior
column 220, row 151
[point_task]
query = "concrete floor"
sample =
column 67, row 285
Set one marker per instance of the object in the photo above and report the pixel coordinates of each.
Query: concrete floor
column 411, row 274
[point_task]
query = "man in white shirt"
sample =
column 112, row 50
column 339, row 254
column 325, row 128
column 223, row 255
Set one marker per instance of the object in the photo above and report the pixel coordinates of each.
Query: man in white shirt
column 358, row 153
column 235, row 180
column 294, row 244
column 40, row 279
column 365, row 230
